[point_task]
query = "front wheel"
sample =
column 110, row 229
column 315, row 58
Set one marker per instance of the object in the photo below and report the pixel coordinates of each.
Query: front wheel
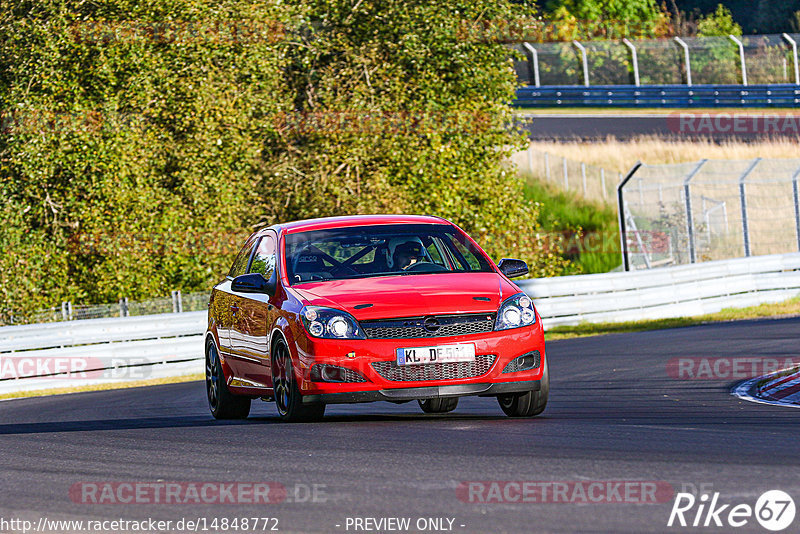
column 529, row 403
column 288, row 398
column 438, row 405
column 223, row 404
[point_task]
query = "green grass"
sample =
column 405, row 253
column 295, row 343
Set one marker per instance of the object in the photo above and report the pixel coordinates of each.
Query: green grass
column 566, row 213
column 786, row 308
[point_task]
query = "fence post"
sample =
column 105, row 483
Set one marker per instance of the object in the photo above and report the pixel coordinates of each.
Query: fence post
column 123, row 307
column 743, row 200
column 634, row 60
column 796, row 207
column 689, row 218
column 534, row 62
column 686, row 60
column 566, row 175
column 530, row 159
column 623, row 235
column 583, row 176
column 603, row 182
column 794, row 56
column 66, row 310
column 741, row 58
column 547, row 165
column 585, row 62
column 177, row 305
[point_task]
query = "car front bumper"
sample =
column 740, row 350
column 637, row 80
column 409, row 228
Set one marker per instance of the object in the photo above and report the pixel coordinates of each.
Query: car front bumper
column 423, row 392
column 359, row 355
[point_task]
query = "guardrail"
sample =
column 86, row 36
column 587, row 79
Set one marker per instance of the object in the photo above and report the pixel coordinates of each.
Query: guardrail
column 100, row 351
column 76, row 353
column 660, row 96
column 684, row 290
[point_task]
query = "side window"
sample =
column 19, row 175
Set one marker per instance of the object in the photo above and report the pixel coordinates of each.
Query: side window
column 466, row 255
column 264, row 259
column 240, row 263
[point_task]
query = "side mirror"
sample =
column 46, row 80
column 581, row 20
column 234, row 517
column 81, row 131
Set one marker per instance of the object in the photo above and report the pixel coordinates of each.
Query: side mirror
column 254, row 283
column 513, row 268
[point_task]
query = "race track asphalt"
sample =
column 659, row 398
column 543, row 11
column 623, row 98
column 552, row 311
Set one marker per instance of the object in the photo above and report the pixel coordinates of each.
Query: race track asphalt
column 615, row 414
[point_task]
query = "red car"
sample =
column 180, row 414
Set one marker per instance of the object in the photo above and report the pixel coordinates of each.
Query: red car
column 396, row 308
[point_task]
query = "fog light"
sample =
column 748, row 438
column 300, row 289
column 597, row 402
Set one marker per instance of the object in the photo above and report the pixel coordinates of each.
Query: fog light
column 526, row 362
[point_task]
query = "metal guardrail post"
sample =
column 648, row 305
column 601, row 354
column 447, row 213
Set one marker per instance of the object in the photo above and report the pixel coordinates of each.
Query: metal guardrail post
column 623, row 235
column 530, row 159
column 743, row 200
column 123, row 307
column 793, row 43
column 796, row 206
column 689, row 217
column 741, row 57
column 634, row 59
column 534, row 62
column 687, row 61
column 566, row 174
column 585, row 62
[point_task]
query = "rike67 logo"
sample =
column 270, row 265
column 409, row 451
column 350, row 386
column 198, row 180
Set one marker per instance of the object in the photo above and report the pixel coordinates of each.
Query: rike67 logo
column 774, row 510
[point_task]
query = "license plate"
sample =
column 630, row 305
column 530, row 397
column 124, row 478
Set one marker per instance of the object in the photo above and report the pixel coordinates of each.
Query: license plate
column 439, row 354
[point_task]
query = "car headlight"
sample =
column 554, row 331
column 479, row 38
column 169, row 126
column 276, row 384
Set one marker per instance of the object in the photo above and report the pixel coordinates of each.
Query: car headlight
column 515, row 312
column 330, row 323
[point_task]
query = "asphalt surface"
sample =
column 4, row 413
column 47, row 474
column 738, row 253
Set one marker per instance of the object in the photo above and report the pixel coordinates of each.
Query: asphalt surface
column 547, row 126
column 615, row 414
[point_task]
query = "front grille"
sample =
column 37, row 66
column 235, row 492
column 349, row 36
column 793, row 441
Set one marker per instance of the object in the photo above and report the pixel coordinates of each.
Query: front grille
column 433, row 326
column 434, row 371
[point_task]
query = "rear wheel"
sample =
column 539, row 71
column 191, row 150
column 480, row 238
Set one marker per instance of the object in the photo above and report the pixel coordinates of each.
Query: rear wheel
column 438, row 405
column 288, row 398
column 529, row 403
column 223, row 404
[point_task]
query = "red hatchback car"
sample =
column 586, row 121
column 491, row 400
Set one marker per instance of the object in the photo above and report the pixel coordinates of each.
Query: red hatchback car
column 365, row 308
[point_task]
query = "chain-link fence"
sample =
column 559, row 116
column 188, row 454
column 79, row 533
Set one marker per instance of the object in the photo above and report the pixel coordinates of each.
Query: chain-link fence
column 592, row 182
column 67, row 311
column 748, row 60
column 710, row 210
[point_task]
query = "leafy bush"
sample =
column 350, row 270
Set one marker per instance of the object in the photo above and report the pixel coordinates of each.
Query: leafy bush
column 140, row 143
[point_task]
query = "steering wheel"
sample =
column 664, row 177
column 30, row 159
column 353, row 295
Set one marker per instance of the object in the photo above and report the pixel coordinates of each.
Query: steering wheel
column 426, row 266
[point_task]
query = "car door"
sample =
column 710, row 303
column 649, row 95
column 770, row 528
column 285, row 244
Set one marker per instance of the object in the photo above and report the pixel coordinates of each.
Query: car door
column 225, row 308
column 249, row 332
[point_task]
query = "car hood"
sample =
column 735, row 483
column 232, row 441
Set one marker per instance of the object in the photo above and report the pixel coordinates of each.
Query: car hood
column 410, row 296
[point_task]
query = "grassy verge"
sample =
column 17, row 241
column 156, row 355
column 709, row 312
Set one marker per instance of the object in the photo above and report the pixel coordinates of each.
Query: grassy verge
column 103, row 387
column 569, row 214
column 786, row 308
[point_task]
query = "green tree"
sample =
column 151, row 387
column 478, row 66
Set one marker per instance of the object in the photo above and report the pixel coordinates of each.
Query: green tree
column 718, row 23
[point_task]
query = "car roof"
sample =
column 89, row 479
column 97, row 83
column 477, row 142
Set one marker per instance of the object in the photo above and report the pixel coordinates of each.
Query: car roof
column 326, row 223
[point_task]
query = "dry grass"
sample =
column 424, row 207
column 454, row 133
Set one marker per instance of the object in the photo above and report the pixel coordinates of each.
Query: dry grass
column 103, row 387
column 620, row 156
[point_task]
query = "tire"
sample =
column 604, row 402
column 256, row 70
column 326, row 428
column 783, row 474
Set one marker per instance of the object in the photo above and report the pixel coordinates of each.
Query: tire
column 223, row 404
column 438, row 405
column 288, row 398
column 527, row 404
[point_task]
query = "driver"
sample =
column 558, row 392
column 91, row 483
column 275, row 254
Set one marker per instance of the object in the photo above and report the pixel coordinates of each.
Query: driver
column 405, row 252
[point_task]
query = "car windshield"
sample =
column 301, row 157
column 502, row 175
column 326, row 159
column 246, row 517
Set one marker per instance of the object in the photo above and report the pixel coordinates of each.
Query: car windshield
column 381, row 250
